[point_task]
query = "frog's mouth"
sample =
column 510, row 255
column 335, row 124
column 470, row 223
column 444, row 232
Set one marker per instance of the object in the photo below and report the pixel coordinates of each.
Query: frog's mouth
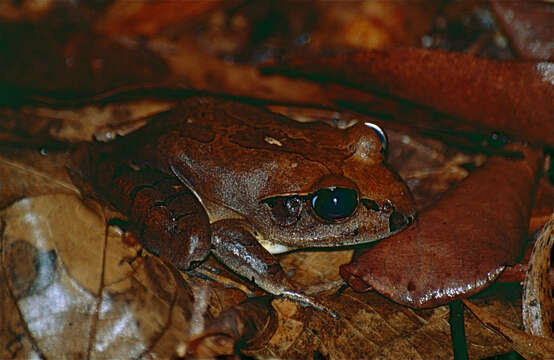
column 296, row 222
column 397, row 223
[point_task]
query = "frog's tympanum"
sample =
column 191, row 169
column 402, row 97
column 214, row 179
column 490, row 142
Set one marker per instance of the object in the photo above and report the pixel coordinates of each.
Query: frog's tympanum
column 218, row 176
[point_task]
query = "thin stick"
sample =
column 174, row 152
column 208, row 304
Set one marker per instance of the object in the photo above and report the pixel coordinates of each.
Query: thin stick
column 457, row 330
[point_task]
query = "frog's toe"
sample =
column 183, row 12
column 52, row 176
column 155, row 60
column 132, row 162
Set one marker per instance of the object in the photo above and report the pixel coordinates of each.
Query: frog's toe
column 308, row 301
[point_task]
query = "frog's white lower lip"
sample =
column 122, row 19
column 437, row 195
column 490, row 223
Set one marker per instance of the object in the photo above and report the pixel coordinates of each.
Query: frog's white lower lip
column 273, row 248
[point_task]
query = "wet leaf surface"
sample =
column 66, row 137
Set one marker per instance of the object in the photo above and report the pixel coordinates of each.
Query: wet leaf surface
column 514, row 97
column 459, row 245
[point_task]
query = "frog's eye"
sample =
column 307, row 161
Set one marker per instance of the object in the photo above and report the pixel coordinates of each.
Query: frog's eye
column 381, row 134
column 334, row 204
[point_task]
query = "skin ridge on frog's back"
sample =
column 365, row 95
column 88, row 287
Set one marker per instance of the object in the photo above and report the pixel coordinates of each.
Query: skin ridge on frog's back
column 198, row 132
column 231, row 124
column 210, row 133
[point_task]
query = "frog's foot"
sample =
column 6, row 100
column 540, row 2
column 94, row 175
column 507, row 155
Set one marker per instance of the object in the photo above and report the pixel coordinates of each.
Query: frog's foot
column 306, row 300
column 235, row 246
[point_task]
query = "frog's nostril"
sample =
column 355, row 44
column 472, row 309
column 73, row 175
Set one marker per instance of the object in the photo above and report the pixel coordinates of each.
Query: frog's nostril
column 398, row 221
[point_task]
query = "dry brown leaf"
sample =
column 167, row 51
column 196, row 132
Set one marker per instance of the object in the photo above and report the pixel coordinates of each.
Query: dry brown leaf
column 31, row 172
column 532, row 347
column 529, row 25
column 135, row 18
column 374, row 327
column 67, row 274
column 83, row 123
column 57, row 269
column 204, row 72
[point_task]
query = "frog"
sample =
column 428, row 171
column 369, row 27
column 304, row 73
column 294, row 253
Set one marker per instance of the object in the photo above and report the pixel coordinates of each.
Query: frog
column 218, row 176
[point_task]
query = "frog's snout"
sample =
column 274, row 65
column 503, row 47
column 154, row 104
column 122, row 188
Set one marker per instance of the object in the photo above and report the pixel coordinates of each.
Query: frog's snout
column 398, row 221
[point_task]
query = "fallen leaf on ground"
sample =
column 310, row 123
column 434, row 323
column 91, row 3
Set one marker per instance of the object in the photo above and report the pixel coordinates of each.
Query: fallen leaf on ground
column 460, row 244
column 68, row 277
column 528, row 345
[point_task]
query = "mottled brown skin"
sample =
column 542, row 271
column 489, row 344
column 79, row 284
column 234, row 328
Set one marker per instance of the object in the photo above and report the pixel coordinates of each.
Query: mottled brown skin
column 221, row 175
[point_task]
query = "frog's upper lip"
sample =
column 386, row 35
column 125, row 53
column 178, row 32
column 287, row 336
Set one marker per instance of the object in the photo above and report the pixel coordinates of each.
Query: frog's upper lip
column 401, row 222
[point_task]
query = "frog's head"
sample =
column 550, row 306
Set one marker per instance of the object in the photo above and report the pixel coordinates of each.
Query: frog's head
column 358, row 201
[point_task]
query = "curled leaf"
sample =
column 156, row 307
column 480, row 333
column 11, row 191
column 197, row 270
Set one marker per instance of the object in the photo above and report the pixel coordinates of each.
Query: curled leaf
column 514, row 97
column 537, row 289
column 459, row 245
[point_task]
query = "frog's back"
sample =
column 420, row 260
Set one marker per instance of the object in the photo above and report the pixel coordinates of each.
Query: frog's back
column 238, row 158
column 236, row 154
column 227, row 149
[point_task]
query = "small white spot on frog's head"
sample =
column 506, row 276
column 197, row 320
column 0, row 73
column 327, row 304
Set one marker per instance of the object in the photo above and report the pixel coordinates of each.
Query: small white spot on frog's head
column 272, row 141
column 364, row 147
column 190, row 120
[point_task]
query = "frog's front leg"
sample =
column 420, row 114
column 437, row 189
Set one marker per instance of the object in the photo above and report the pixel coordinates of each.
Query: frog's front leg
column 235, row 246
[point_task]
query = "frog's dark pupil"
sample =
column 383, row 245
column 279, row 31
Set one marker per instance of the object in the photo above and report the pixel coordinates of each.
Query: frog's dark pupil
column 334, row 203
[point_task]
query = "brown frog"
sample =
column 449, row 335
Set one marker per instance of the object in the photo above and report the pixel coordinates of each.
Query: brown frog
column 213, row 175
